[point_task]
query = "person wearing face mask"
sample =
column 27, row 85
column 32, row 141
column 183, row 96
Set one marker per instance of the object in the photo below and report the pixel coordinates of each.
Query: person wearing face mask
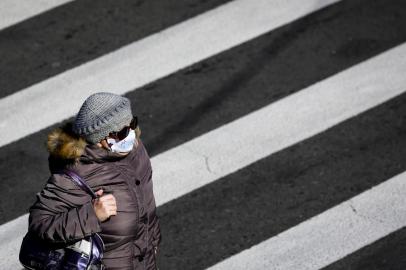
column 103, row 146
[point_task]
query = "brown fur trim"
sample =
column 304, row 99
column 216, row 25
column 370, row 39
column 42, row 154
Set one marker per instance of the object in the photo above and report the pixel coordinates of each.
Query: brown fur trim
column 138, row 132
column 64, row 144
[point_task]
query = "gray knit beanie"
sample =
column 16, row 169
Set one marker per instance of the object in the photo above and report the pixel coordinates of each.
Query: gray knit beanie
column 100, row 114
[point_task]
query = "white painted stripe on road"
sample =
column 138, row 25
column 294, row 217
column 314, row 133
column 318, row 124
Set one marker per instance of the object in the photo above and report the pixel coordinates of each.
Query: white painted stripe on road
column 331, row 235
column 11, row 235
column 154, row 57
column 15, row 11
column 279, row 125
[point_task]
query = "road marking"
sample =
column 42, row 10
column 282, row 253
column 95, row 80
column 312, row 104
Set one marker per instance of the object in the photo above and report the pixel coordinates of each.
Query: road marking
column 15, row 11
column 331, row 235
column 58, row 98
column 11, row 235
column 279, row 125
column 290, row 120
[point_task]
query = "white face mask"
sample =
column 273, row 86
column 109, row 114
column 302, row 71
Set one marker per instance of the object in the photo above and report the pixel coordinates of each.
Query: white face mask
column 125, row 145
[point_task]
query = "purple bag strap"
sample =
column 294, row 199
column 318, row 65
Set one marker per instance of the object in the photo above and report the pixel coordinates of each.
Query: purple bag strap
column 80, row 182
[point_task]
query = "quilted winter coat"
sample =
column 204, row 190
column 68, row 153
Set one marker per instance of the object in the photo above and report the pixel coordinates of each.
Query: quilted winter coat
column 64, row 213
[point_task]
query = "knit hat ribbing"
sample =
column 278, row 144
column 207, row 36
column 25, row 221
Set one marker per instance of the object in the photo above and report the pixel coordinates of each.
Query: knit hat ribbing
column 100, row 114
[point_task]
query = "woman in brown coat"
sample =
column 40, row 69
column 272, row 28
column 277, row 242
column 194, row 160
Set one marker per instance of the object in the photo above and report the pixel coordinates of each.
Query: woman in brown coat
column 104, row 148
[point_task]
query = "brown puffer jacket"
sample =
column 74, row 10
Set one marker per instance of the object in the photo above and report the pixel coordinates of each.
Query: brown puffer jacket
column 64, row 213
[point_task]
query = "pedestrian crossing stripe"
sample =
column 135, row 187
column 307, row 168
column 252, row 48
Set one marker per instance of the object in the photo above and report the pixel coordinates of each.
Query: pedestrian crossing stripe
column 331, row 235
column 15, row 11
column 146, row 60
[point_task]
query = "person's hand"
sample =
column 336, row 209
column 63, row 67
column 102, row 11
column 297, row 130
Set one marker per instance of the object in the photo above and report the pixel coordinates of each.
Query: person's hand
column 104, row 206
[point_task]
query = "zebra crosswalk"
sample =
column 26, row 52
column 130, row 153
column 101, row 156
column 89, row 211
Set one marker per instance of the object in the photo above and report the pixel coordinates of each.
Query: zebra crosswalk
column 327, row 103
column 144, row 61
column 331, row 235
column 260, row 118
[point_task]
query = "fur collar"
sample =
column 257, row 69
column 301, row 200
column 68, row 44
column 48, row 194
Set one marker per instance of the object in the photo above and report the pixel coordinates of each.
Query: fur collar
column 63, row 144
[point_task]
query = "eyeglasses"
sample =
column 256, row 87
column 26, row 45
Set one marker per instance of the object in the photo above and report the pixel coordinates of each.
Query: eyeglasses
column 120, row 135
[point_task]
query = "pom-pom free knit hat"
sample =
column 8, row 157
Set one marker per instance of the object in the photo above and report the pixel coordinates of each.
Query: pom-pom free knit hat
column 100, row 114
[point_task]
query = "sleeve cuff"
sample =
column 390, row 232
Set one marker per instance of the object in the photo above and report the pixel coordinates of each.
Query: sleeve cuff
column 88, row 220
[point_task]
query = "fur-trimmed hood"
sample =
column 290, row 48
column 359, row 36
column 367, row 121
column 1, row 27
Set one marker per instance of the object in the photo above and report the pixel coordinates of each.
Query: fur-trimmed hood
column 63, row 144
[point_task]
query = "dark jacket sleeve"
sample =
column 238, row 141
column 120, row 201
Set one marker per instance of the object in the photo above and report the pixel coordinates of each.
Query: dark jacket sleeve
column 63, row 212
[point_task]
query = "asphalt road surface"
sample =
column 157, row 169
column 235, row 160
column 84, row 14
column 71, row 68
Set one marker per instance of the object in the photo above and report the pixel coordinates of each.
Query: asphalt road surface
column 259, row 198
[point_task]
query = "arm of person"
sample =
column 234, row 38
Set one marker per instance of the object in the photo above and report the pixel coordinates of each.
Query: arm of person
column 63, row 212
